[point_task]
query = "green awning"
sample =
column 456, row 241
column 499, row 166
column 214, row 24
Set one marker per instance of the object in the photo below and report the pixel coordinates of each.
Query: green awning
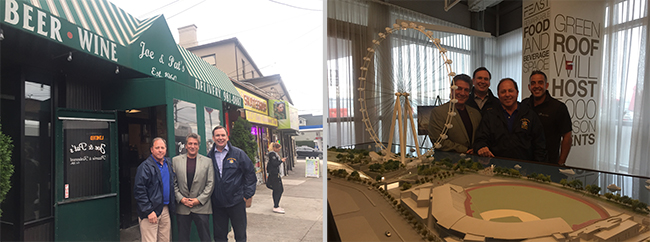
column 99, row 16
column 99, row 28
column 210, row 79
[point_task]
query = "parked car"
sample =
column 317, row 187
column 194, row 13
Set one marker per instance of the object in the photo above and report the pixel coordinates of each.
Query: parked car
column 306, row 151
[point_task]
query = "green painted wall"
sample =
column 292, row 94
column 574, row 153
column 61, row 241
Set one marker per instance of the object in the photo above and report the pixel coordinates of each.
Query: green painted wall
column 94, row 218
column 104, row 225
column 134, row 93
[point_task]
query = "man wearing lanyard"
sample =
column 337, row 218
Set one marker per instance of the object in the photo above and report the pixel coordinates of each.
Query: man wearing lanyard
column 153, row 194
column 234, row 186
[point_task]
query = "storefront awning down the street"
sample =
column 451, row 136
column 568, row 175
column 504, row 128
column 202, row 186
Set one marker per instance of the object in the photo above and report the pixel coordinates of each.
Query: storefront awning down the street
column 210, row 79
column 101, row 29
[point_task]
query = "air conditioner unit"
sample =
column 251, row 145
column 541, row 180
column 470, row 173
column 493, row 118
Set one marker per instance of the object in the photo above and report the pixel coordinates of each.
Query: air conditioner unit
column 480, row 5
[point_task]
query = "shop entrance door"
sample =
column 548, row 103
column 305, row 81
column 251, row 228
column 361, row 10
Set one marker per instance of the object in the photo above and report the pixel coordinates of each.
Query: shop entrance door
column 86, row 186
column 136, row 129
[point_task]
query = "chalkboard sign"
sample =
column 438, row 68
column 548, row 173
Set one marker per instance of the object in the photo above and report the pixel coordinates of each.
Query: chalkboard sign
column 312, row 168
column 87, row 149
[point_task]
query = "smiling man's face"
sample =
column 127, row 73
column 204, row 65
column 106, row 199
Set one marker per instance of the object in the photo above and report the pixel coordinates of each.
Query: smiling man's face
column 192, row 146
column 482, row 81
column 220, row 138
column 158, row 150
column 508, row 94
column 537, row 86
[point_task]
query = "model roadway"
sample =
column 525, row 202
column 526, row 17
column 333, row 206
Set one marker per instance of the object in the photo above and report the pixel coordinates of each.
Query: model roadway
column 362, row 214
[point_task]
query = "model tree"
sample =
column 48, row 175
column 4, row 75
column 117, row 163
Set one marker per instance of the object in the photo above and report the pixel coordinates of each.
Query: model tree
column 514, row 172
column 593, row 189
column 355, row 176
column 576, row 184
column 564, row 182
column 6, row 168
column 241, row 137
column 544, row 178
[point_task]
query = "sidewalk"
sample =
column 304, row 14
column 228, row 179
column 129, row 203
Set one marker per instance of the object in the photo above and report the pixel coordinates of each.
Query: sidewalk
column 302, row 200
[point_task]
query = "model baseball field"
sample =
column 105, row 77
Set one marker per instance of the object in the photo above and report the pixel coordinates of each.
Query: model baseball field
column 476, row 207
column 523, row 203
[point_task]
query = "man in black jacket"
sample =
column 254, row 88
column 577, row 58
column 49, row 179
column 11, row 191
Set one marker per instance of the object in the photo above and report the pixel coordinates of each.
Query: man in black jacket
column 554, row 116
column 481, row 96
column 234, row 186
column 511, row 130
column 154, row 194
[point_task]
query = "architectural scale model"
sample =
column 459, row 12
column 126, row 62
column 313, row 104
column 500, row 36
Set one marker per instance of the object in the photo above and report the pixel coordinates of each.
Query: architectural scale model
column 480, row 207
column 464, row 201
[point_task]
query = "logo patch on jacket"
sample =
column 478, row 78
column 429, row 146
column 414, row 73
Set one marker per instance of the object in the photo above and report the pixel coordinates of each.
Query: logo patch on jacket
column 231, row 160
column 524, row 123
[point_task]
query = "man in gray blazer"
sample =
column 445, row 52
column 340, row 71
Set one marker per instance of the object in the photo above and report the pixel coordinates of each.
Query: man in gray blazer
column 193, row 188
column 465, row 122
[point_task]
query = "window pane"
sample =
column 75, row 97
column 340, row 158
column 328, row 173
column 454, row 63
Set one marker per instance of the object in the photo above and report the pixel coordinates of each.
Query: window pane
column 87, row 164
column 184, row 123
column 37, row 148
column 211, row 120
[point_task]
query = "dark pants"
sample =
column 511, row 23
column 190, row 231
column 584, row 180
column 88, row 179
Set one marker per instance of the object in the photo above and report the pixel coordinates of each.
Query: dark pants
column 185, row 224
column 237, row 216
column 277, row 192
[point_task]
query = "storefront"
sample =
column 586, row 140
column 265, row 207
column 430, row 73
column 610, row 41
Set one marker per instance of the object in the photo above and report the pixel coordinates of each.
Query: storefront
column 84, row 88
column 288, row 125
column 256, row 112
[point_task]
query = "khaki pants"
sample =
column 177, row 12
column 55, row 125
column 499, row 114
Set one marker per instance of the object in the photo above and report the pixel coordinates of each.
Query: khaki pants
column 160, row 231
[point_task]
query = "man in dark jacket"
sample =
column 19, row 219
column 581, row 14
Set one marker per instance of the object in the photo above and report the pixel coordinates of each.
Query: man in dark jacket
column 554, row 116
column 154, row 194
column 481, row 97
column 234, row 186
column 512, row 130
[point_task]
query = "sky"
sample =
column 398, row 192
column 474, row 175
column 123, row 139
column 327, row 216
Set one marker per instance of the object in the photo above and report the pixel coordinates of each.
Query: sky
column 282, row 36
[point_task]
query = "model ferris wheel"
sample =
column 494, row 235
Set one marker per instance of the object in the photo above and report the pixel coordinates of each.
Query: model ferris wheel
column 393, row 82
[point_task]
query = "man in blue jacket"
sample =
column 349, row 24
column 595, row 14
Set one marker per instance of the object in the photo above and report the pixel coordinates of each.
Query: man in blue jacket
column 511, row 130
column 154, row 194
column 234, row 186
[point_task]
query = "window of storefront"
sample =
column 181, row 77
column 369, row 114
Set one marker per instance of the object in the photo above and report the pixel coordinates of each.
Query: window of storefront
column 86, row 157
column 37, row 150
column 211, row 120
column 184, row 123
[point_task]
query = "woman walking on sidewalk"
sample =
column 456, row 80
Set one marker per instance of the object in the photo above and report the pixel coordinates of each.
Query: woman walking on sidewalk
column 275, row 182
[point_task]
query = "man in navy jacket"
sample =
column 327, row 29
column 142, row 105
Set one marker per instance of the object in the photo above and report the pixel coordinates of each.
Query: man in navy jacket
column 154, row 194
column 234, row 186
column 511, row 130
